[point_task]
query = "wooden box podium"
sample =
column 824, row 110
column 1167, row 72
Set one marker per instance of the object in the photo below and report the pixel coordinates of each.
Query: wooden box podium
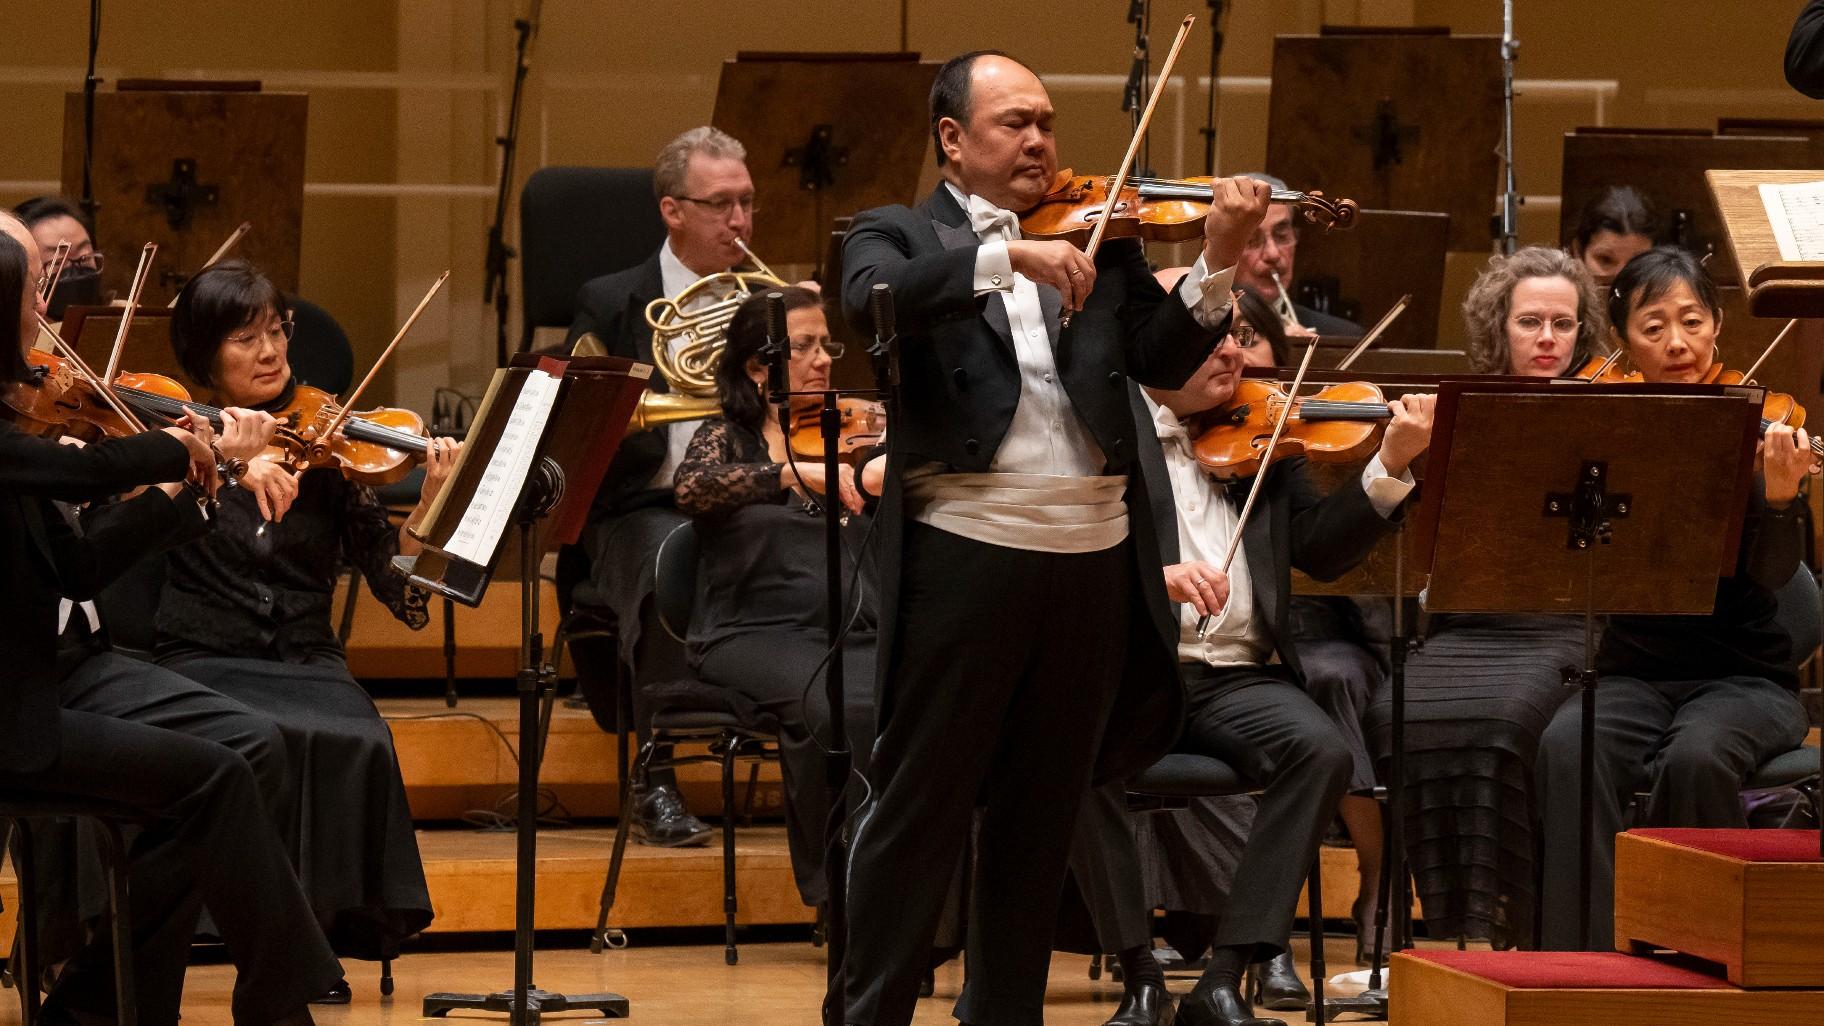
column 1750, row 900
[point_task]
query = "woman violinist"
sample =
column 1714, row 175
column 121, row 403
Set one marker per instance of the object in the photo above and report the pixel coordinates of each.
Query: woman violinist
column 246, row 611
column 191, row 766
column 760, row 622
column 1688, row 706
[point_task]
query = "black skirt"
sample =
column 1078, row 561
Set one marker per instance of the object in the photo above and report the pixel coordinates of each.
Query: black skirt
column 347, row 823
column 1479, row 693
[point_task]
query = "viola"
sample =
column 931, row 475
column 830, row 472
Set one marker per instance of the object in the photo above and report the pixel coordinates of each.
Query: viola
column 1340, row 423
column 864, row 425
column 59, row 402
column 1154, row 209
column 371, row 447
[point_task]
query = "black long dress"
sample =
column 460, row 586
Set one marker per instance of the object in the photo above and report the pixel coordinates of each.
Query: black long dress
column 760, row 622
column 246, row 611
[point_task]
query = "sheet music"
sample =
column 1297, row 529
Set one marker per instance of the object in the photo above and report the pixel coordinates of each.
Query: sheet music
column 478, row 532
column 1796, row 213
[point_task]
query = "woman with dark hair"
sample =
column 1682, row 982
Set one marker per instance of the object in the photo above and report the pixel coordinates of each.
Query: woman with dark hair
column 1688, row 706
column 53, row 220
column 760, row 622
column 246, row 611
column 1617, row 226
column 193, row 766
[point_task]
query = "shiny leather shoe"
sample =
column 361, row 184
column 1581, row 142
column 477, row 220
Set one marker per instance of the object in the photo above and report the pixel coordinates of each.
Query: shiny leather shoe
column 1146, row 1005
column 1275, row 984
column 337, row 994
column 660, row 819
column 1220, row 1007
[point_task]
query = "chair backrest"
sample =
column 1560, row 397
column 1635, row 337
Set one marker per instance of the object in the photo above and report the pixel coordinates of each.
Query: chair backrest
column 674, row 589
column 320, row 353
column 1800, row 609
column 578, row 223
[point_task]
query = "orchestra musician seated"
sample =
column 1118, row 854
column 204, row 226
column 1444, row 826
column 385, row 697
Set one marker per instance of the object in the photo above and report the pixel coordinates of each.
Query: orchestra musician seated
column 1247, row 685
column 1616, row 226
column 1482, row 687
column 1270, row 261
column 760, row 625
column 53, row 221
column 1687, row 706
column 706, row 197
column 80, row 724
column 246, row 612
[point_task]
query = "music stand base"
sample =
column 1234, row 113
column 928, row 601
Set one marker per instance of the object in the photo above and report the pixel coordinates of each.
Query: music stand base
column 1371, row 1003
column 612, row 1006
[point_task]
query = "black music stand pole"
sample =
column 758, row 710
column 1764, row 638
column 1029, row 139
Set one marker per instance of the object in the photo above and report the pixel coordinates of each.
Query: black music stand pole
column 494, row 290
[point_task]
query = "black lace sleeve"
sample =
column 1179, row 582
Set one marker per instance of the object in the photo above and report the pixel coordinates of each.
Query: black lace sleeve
column 371, row 540
column 724, row 468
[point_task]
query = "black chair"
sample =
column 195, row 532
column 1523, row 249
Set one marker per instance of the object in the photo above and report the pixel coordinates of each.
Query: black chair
column 320, row 354
column 691, row 713
column 1801, row 612
column 578, row 223
column 22, row 810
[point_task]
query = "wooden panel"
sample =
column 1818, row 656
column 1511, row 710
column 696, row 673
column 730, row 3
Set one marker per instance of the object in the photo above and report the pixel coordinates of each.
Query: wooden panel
column 1705, row 921
column 1421, row 993
column 487, row 637
column 1388, row 253
column 1783, row 909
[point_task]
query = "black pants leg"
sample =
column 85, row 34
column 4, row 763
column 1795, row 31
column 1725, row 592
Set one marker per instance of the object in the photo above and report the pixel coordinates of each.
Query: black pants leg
column 1105, row 862
column 1272, row 732
column 1005, row 667
column 211, row 836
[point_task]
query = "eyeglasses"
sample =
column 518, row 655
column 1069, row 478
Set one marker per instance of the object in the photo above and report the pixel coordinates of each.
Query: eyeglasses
column 1283, row 235
column 1532, row 327
column 723, row 206
column 279, row 334
column 1242, row 336
column 801, row 347
column 93, row 261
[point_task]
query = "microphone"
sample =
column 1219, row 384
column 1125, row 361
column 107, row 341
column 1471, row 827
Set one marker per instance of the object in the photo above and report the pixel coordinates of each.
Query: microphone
column 882, row 353
column 777, row 350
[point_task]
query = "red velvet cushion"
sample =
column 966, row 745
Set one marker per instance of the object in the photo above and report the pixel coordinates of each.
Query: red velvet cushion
column 1574, row 970
column 1745, row 845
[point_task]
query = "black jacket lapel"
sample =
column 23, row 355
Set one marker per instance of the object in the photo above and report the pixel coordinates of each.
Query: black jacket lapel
column 951, row 224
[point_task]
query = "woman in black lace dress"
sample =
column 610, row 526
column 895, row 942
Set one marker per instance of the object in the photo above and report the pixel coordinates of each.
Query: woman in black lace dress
column 246, row 611
column 760, row 622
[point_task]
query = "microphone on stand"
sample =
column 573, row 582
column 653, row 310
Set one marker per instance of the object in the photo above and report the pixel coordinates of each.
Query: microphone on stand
column 882, row 352
column 778, row 351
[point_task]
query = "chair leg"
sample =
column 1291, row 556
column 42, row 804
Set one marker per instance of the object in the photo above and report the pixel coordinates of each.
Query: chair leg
column 26, row 975
column 747, row 801
column 603, row 937
column 115, row 864
column 731, row 746
column 1095, row 967
column 449, row 653
column 1314, row 918
column 386, row 977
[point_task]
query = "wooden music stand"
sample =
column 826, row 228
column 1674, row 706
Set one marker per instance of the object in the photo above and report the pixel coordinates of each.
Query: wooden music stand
column 1395, row 120
column 826, row 134
column 182, row 164
column 90, row 330
column 1776, row 286
column 1584, row 518
column 1366, row 270
column 1668, row 166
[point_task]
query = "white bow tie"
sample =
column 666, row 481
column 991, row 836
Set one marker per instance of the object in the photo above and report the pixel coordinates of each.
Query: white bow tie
column 990, row 222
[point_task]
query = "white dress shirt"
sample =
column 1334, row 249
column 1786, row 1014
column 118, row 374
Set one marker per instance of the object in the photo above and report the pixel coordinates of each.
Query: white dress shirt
column 1207, row 520
column 1044, row 488
column 674, row 278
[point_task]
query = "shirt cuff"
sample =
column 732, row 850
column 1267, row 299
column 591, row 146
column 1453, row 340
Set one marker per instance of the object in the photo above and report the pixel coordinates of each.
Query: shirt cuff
column 1206, row 295
column 993, row 268
column 1385, row 492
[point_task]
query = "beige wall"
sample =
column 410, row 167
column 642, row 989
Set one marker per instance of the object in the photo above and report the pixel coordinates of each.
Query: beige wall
column 613, row 79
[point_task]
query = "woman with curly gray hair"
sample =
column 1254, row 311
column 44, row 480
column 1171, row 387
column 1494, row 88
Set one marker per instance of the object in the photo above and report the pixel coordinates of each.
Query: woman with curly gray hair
column 1536, row 313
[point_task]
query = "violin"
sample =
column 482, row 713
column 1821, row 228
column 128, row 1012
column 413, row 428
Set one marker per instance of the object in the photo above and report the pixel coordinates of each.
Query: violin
column 56, row 401
column 1340, row 423
column 864, row 425
column 372, row 447
column 1154, row 209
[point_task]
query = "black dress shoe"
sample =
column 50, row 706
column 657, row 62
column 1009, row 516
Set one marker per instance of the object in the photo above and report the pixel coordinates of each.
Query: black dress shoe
column 1275, row 984
column 338, row 994
column 661, row 819
column 1220, row 1007
column 1145, row 1005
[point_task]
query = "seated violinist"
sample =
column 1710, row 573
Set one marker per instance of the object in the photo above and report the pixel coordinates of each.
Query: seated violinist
column 1534, row 314
column 1688, row 706
column 1245, row 680
column 1617, row 225
column 760, row 620
column 52, row 221
column 193, row 764
column 246, row 611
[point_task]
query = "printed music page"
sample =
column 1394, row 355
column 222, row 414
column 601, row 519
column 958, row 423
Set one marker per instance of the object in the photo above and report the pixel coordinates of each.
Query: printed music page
column 1796, row 213
column 478, row 533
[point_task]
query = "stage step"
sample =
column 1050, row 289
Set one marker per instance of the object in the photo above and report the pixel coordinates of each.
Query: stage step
column 1749, row 900
column 1539, row 988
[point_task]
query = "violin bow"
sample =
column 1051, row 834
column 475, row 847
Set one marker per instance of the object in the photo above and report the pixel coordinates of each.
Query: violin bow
column 1603, row 367
column 221, row 251
column 342, row 414
column 1260, row 478
column 1374, row 333
column 1771, row 346
column 83, row 371
column 126, row 315
column 59, row 260
column 1133, row 148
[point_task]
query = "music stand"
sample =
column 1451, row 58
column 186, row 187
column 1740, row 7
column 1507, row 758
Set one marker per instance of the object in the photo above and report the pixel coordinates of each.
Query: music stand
column 1366, row 270
column 826, row 134
column 90, row 330
column 1405, row 119
column 1584, row 517
column 535, row 455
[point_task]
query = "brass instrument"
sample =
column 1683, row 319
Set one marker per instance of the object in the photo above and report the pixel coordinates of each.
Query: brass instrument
column 691, row 370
